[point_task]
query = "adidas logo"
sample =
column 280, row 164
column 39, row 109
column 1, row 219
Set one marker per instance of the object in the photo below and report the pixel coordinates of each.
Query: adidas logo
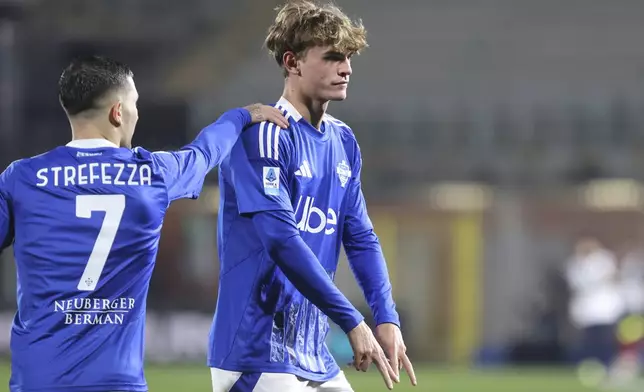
column 304, row 170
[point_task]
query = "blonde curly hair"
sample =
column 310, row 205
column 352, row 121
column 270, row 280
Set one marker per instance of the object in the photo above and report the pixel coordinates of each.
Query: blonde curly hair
column 302, row 24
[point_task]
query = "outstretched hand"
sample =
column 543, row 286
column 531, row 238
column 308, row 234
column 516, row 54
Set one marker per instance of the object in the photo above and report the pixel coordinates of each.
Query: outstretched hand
column 366, row 351
column 391, row 340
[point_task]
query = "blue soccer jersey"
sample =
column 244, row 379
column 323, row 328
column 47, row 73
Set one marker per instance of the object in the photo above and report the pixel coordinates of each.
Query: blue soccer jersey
column 85, row 221
column 262, row 322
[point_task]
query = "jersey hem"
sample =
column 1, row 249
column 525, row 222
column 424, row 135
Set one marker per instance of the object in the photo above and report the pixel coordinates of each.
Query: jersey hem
column 277, row 368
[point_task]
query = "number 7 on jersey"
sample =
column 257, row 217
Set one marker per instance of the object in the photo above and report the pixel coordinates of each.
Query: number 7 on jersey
column 113, row 206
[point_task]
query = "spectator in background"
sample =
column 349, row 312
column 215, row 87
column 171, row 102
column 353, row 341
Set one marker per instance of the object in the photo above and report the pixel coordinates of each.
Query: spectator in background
column 631, row 328
column 596, row 304
column 631, row 280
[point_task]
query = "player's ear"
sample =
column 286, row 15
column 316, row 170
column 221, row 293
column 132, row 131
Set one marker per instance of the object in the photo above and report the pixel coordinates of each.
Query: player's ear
column 116, row 114
column 291, row 64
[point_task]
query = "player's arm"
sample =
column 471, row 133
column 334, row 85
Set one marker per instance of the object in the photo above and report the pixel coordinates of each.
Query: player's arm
column 370, row 269
column 365, row 253
column 259, row 173
column 6, row 215
column 186, row 169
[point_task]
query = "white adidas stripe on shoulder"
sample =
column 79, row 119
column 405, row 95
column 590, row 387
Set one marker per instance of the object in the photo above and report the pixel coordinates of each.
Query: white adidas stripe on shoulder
column 284, row 111
column 276, row 143
column 269, row 140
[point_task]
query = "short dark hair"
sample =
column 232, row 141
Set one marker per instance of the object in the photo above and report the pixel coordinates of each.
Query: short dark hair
column 87, row 79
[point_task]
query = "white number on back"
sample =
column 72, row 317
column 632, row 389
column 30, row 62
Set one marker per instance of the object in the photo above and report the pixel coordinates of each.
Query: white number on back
column 113, row 206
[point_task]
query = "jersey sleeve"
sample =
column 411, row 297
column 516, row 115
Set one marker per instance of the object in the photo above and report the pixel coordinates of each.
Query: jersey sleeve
column 364, row 252
column 6, row 213
column 259, row 169
column 279, row 234
column 184, row 170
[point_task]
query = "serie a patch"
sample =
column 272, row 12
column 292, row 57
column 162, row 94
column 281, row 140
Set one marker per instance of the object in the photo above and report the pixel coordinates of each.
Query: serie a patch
column 271, row 180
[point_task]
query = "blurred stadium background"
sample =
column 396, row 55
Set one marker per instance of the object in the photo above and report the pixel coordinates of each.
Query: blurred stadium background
column 494, row 134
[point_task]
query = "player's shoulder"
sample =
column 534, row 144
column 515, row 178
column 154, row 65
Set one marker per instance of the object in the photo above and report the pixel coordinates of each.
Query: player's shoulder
column 146, row 155
column 10, row 171
column 33, row 161
column 267, row 140
column 15, row 164
column 348, row 138
column 21, row 168
column 159, row 160
column 47, row 155
column 336, row 122
column 143, row 155
column 340, row 126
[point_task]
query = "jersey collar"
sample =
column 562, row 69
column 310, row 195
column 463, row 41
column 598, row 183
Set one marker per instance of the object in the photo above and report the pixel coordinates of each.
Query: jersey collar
column 91, row 143
column 291, row 112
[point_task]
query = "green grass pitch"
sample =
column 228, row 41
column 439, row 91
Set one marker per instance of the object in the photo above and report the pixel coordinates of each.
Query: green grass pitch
column 195, row 378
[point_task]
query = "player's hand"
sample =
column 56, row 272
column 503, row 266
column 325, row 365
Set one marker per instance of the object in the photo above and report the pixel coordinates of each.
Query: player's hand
column 259, row 113
column 367, row 350
column 391, row 340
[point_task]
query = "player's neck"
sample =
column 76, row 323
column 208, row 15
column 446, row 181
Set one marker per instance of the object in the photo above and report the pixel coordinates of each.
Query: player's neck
column 311, row 110
column 83, row 130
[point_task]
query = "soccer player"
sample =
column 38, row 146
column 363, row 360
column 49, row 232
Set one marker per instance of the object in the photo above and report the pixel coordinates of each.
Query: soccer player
column 290, row 198
column 85, row 221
